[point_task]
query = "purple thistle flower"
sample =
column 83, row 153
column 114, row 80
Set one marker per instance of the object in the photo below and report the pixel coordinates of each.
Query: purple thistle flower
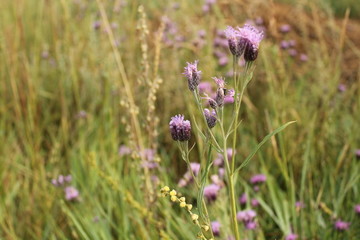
column 182, row 183
column 223, row 61
column 215, row 226
column 195, row 168
column 54, row 182
column 243, row 199
column 68, row 178
column 221, row 172
column 71, row 193
column 204, row 87
column 341, row 225
column 220, row 96
column 210, row 117
column 292, row 43
column 254, row 202
column 304, row 57
column 61, row 180
column 357, row 209
column 299, row 205
column 250, row 38
column 246, row 215
column 124, row 150
column 180, row 129
column 284, row 44
column 292, row 52
column 232, row 36
column 202, row 33
column 259, row 178
column 192, row 74
column 206, row 8
column 285, row 28
column 250, row 225
column 220, row 81
column 211, row 191
column 357, row 153
column 291, row 236
column 96, row 25
column 229, row 97
column 342, row 88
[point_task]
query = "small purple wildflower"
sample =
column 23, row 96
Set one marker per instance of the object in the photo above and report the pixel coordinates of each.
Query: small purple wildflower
column 299, row 205
column 180, row 129
column 215, row 226
column 243, row 199
column 54, row 182
column 223, row 61
column 259, row 21
column 292, row 52
column 204, row 87
column 259, row 178
column 254, row 202
column 71, row 193
column 210, row 117
column 250, row 225
column 211, row 191
column 96, row 219
column 250, row 38
column 220, row 81
column 81, row 115
column 193, row 75
column 291, row 236
column 45, row 54
column 215, row 179
column 292, row 43
column 96, row 25
column 124, row 150
column 285, row 28
column 229, row 97
column 202, row 33
column 284, row 44
column 357, row 153
column 304, row 57
column 232, row 36
column 221, row 172
column 220, row 96
column 342, row 87
column 357, row 209
column 206, row 8
column 246, row 215
column 195, row 168
column 341, row 225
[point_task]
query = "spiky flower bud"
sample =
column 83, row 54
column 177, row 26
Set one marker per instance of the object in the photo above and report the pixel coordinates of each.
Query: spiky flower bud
column 210, row 117
column 251, row 38
column 213, row 104
column 233, row 39
column 220, row 96
column 193, row 75
column 180, row 129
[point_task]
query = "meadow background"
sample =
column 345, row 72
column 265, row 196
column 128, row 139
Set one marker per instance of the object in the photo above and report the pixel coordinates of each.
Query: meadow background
column 84, row 82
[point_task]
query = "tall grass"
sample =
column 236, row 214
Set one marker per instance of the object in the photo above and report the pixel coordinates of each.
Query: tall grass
column 54, row 65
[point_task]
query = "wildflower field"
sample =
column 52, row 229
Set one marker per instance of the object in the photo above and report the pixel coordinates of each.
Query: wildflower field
column 162, row 119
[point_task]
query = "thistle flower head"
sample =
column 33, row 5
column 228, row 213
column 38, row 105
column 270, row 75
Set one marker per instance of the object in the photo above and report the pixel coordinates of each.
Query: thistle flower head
column 291, row 236
column 180, row 129
column 211, row 191
column 357, row 209
column 215, row 226
column 192, row 74
column 210, row 117
column 220, row 81
column 71, row 193
column 243, row 199
column 259, row 178
column 341, row 225
column 250, row 37
column 246, row 215
column 232, row 36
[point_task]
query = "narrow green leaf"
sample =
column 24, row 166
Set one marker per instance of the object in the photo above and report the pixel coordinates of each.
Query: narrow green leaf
column 276, row 131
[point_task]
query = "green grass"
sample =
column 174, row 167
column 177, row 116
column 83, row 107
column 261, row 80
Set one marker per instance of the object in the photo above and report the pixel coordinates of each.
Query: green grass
column 312, row 160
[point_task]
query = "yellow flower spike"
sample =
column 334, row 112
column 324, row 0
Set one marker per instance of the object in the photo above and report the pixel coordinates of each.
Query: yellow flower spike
column 173, row 193
column 189, row 207
column 173, row 198
column 166, row 188
column 194, row 217
column 182, row 199
column 182, row 204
